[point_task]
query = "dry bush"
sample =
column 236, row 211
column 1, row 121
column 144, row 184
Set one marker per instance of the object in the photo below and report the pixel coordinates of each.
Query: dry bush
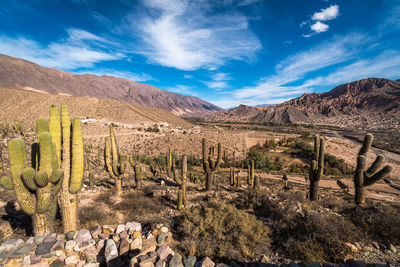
column 93, row 216
column 222, row 231
column 380, row 222
column 309, row 235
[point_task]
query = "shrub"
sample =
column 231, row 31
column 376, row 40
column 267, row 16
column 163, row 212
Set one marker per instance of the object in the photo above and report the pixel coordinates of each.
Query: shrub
column 380, row 222
column 222, row 231
column 308, row 235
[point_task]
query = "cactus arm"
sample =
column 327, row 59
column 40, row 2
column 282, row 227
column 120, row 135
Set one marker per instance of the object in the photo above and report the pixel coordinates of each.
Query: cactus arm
column 321, row 156
column 316, row 147
column 218, row 162
column 16, row 150
column 131, row 160
column 6, row 183
column 206, row 165
column 366, row 144
column 55, row 131
column 42, row 126
column 107, row 157
column 56, row 175
column 114, row 147
column 376, row 165
column 76, row 157
column 379, row 175
column 28, row 177
column 138, row 176
column 66, row 143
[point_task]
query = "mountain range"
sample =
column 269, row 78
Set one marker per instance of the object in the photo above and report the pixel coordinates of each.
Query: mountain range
column 23, row 74
column 373, row 102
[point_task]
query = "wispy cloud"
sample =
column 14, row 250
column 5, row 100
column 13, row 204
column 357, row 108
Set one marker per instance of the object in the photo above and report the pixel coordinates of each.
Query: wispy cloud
column 218, row 81
column 329, row 13
column 189, row 35
column 80, row 49
column 182, row 89
column 280, row 86
column 187, row 76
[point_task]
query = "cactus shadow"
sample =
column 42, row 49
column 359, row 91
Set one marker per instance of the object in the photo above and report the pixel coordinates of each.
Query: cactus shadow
column 19, row 220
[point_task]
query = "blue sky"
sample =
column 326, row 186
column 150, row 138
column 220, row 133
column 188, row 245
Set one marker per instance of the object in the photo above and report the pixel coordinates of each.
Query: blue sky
column 228, row 52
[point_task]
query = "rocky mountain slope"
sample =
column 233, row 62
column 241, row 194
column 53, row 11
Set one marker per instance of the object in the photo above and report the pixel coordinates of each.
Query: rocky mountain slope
column 22, row 74
column 26, row 106
column 372, row 102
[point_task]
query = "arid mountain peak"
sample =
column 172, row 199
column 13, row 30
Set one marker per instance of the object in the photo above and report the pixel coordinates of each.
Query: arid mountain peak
column 22, row 74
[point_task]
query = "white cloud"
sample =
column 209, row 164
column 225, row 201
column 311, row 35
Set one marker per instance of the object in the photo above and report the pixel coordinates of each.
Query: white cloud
column 247, row 2
column 319, row 27
column 278, row 87
column 137, row 77
column 75, row 52
column 187, row 76
column 220, row 76
column 329, row 13
column 190, row 35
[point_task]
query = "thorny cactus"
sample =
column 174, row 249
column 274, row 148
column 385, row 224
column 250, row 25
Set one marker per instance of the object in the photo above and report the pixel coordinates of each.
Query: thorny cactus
column 316, row 167
column 256, row 184
column 250, row 173
column 1, row 162
column 210, row 166
column 138, row 176
column 232, row 176
column 181, row 180
column 364, row 177
column 70, row 158
column 36, row 191
column 114, row 161
column 88, row 149
column 170, row 163
column 180, row 199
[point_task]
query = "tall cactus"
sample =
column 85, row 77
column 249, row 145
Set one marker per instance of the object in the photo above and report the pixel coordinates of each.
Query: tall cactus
column 364, row 177
column 170, row 162
column 115, row 162
column 36, row 191
column 180, row 199
column 316, row 167
column 88, row 149
column 182, row 178
column 209, row 163
column 70, row 158
column 138, row 176
column 232, row 176
column 1, row 162
column 250, row 173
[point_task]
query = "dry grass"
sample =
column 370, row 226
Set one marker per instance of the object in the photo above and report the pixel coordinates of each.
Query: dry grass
column 222, row 231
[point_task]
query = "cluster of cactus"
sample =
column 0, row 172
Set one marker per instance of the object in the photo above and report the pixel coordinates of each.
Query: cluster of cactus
column 194, row 178
column 250, row 173
column 210, row 165
column 364, row 177
column 70, row 158
column 114, row 161
column 36, row 188
column 234, row 179
column 316, row 167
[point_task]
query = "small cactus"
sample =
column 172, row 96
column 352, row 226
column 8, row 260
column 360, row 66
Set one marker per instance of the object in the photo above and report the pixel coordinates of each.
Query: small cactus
column 114, row 161
column 170, row 162
column 316, row 167
column 88, row 149
column 364, row 177
column 210, row 166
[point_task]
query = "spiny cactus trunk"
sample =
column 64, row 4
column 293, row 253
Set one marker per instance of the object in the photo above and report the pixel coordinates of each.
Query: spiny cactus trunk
column 68, row 208
column 209, row 180
column 41, row 225
column 118, row 186
column 180, row 199
column 314, row 190
column 359, row 196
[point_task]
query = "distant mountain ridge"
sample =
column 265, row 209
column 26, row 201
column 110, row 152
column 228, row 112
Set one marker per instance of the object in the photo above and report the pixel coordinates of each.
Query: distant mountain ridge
column 22, row 74
column 367, row 100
